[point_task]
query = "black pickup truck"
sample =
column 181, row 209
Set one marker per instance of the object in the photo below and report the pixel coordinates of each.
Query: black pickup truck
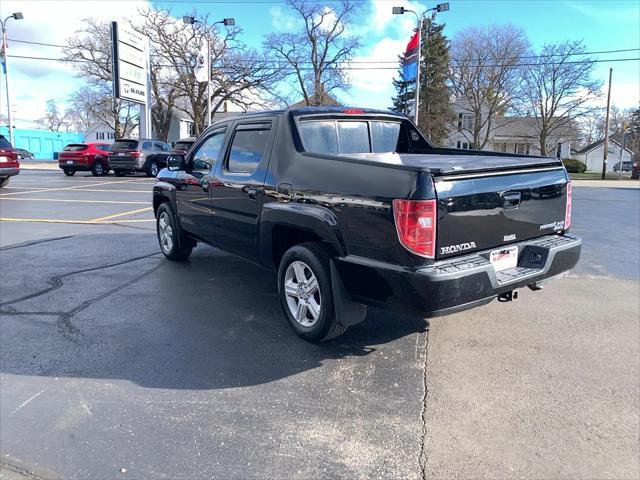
column 354, row 207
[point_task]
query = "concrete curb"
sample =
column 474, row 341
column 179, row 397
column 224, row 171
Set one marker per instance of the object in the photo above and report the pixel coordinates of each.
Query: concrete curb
column 606, row 183
column 40, row 165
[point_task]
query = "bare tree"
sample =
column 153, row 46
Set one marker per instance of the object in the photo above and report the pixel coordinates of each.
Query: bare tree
column 318, row 55
column 557, row 89
column 238, row 74
column 90, row 52
column 591, row 126
column 96, row 105
column 485, row 75
column 53, row 119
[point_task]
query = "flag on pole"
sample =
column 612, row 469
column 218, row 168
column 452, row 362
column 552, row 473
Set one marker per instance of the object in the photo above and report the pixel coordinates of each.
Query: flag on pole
column 410, row 60
column 202, row 65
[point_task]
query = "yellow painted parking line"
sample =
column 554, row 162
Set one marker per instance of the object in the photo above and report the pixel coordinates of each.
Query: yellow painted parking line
column 81, row 222
column 76, row 201
column 116, row 215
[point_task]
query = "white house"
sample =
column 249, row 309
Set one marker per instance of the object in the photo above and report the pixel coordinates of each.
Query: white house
column 592, row 155
column 100, row 132
column 508, row 134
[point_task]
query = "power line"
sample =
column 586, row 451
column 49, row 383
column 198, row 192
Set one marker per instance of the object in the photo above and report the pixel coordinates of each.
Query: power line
column 395, row 62
column 346, row 66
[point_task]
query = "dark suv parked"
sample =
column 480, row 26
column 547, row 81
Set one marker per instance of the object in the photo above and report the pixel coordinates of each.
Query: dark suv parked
column 137, row 155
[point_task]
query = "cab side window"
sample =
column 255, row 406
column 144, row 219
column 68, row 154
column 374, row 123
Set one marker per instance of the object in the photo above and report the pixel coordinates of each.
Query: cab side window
column 206, row 155
column 146, row 146
column 248, row 147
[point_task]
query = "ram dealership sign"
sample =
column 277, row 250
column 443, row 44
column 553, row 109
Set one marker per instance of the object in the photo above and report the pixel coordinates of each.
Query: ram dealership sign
column 130, row 54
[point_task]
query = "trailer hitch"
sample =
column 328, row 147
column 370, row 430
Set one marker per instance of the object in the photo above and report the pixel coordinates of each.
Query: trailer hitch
column 508, row 296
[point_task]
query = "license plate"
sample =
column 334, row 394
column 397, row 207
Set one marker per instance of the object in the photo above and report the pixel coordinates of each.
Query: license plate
column 121, row 154
column 504, row 258
column 69, row 162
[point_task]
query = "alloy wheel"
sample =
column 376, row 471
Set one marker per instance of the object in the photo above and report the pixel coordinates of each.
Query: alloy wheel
column 165, row 232
column 302, row 292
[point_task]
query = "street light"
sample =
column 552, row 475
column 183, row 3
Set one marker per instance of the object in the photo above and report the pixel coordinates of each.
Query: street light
column 441, row 7
column 227, row 22
column 5, row 64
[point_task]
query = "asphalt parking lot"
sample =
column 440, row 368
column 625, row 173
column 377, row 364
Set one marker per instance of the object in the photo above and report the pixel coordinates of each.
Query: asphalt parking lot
column 115, row 363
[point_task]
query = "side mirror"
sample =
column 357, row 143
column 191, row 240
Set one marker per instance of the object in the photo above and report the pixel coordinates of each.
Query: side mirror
column 175, row 162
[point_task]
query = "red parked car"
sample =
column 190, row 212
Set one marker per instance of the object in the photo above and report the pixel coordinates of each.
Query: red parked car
column 9, row 163
column 85, row 157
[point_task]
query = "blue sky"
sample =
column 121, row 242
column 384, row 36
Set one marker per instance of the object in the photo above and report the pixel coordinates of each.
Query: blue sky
column 603, row 25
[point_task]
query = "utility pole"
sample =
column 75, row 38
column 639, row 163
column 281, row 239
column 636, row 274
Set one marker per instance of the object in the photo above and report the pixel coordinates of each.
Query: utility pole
column 606, row 129
column 624, row 147
column 5, row 64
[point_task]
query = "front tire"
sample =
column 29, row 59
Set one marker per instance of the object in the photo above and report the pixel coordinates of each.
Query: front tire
column 69, row 173
column 98, row 169
column 173, row 244
column 306, row 296
column 4, row 182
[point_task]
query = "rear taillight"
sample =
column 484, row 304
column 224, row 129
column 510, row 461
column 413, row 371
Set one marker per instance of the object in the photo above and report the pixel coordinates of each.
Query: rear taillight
column 567, row 212
column 136, row 154
column 416, row 225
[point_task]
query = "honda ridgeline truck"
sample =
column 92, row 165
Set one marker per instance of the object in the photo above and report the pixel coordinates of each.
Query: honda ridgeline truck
column 354, row 207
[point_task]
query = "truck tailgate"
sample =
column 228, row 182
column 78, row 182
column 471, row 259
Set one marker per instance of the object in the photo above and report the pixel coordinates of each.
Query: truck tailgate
column 478, row 212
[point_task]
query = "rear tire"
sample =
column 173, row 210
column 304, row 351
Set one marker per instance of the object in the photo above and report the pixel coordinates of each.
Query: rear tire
column 119, row 173
column 69, row 173
column 98, row 169
column 305, row 291
column 152, row 169
column 173, row 243
column 4, row 182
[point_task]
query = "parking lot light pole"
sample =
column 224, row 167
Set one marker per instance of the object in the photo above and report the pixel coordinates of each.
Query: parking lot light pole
column 441, row 7
column 5, row 64
column 227, row 22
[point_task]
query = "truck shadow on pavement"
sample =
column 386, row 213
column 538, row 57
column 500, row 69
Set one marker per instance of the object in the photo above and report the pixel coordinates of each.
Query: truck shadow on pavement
column 211, row 323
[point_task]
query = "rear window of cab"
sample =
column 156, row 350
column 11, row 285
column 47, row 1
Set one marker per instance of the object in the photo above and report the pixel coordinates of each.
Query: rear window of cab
column 339, row 137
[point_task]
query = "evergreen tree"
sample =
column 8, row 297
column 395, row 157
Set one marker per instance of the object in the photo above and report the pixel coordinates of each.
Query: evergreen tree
column 403, row 101
column 436, row 116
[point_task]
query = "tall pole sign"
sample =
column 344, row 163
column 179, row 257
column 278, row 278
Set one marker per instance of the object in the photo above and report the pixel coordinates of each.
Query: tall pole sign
column 130, row 54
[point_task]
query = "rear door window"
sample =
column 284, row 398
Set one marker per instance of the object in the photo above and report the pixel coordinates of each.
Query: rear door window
column 248, row 147
column 124, row 145
column 146, row 145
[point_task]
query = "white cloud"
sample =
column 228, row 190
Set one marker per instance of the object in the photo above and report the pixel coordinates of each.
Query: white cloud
column 33, row 81
column 282, row 20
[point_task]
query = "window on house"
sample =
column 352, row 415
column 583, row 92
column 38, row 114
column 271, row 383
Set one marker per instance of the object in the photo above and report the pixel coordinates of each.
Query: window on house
column 500, row 147
column 100, row 135
column 111, row 136
column 521, row 148
column 559, row 151
column 463, row 145
column 459, row 123
column 467, row 122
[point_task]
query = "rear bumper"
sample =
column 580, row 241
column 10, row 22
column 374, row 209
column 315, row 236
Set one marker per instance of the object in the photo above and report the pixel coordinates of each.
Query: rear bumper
column 129, row 165
column 9, row 171
column 77, row 166
column 458, row 283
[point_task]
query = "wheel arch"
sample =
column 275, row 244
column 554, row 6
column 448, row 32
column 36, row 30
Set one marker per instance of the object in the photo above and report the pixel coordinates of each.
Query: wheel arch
column 284, row 225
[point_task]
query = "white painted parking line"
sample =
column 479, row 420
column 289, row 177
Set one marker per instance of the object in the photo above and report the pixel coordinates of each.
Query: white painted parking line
column 123, row 202
column 4, row 195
